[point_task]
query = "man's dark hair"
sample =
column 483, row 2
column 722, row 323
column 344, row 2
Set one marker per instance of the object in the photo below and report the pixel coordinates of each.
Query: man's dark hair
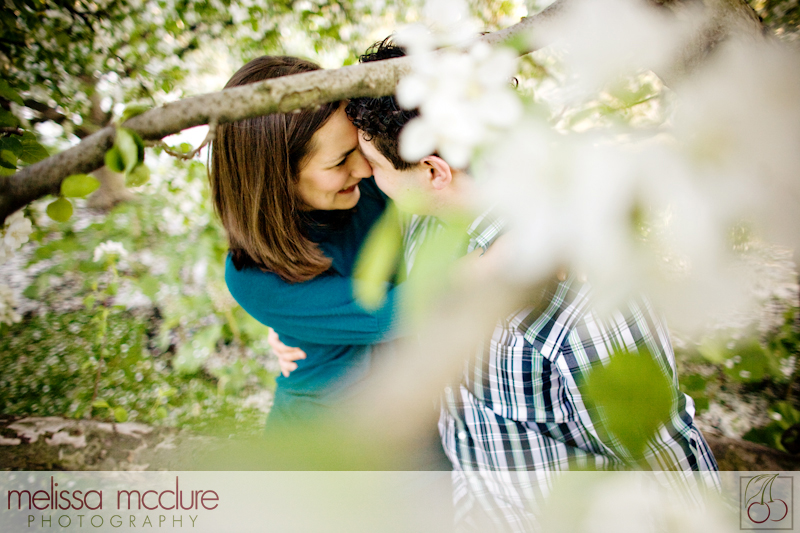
column 381, row 119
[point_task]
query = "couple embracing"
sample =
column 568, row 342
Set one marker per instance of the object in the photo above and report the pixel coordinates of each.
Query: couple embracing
column 297, row 194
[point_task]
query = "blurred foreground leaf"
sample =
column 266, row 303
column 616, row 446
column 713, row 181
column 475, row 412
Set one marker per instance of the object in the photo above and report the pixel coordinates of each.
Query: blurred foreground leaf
column 79, row 185
column 130, row 147
column 633, row 396
column 138, row 176
column 377, row 262
column 430, row 275
column 113, row 160
column 60, row 210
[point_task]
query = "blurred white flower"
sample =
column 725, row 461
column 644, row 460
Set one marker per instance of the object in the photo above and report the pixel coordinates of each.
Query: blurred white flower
column 738, row 121
column 444, row 23
column 601, row 41
column 622, row 502
column 111, row 249
column 626, row 216
column 18, row 229
column 463, row 99
column 7, row 304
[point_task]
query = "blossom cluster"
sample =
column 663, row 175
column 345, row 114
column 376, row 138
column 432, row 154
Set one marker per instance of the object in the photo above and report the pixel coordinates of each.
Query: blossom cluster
column 110, row 250
column 8, row 303
column 464, row 95
column 15, row 232
column 627, row 207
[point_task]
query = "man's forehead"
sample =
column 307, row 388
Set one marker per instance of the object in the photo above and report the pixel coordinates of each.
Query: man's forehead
column 369, row 145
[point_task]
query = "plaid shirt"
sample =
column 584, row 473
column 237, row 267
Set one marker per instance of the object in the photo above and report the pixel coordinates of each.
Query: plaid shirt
column 518, row 416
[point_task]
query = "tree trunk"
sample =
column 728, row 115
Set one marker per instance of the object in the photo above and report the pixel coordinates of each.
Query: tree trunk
column 111, row 192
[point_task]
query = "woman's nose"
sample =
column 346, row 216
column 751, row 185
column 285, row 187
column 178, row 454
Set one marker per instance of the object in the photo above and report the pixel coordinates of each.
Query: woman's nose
column 360, row 168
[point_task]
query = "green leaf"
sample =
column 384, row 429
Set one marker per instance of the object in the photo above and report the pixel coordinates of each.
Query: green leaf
column 633, row 396
column 114, row 160
column 131, row 148
column 139, row 176
column 713, row 349
column 378, row 260
column 8, row 119
column 9, row 94
column 32, row 151
column 120, row 414
column 432, row 266
column 60, row 210
column 8, row 160
column 62, row 39
column 13, row 144
column 133, row 110
column 693, row 382
column 100, row 404
column 79, row 185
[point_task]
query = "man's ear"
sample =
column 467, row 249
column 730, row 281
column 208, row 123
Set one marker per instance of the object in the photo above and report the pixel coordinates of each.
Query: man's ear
column 439, row 173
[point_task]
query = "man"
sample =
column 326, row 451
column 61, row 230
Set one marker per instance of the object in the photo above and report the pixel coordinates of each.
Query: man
column 519, row 406
column 518, row 415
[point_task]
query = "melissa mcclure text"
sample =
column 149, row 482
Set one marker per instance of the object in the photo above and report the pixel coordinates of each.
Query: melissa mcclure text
column 77, row 500
column 134, row 500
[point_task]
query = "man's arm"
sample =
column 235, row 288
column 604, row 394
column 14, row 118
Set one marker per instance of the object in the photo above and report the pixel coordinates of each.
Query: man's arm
column 677, row 444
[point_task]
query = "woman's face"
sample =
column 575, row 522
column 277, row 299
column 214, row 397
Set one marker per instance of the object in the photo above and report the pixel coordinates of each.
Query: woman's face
column 329, row 177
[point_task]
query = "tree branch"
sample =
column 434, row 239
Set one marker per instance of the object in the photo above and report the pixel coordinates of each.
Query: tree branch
column 294, row 92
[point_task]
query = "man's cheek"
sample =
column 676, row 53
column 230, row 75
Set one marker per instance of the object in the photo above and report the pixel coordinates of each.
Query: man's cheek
column 383, row 185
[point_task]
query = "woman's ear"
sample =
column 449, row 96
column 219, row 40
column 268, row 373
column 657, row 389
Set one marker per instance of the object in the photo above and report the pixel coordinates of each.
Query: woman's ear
column 439, row 173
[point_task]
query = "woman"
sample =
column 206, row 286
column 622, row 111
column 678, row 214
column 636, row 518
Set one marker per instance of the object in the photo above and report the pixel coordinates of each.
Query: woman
column 293, row 194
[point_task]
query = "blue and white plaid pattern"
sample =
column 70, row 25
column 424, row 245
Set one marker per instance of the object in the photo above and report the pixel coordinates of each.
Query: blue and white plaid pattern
column 518, row 416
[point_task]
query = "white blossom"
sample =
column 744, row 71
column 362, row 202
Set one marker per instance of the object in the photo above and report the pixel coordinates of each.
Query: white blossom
column 445, row 23
column 601, row 41
column 463, row 99
column 7, row 304
column 17, row 230
column 110, row 249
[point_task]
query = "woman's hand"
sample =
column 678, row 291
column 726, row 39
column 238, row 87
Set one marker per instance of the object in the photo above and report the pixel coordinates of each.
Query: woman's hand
column 286, row 354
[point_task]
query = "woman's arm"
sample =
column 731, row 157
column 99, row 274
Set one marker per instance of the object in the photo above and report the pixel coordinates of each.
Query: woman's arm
column 322, row 310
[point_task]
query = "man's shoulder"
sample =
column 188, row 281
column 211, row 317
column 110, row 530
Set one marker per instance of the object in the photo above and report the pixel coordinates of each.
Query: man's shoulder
column 555, row 312
column 567, row 314
column 485, row 229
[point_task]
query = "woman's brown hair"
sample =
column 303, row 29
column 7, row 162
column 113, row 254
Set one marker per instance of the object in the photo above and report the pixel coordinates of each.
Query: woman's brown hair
column 255, row 165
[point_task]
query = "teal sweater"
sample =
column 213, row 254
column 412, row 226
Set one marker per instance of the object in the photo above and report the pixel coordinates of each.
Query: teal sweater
column 320, row 316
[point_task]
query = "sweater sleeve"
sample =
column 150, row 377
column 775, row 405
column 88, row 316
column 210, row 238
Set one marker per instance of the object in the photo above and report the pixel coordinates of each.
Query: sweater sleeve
column 322, row 310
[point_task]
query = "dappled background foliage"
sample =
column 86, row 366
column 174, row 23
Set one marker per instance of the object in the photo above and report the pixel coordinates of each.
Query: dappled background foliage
column 154, row 336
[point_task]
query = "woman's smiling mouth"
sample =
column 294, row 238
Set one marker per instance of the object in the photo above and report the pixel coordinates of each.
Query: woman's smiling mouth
column 350, row 189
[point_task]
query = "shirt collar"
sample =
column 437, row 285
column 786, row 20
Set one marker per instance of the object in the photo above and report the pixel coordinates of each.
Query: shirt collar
column 485, row 229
